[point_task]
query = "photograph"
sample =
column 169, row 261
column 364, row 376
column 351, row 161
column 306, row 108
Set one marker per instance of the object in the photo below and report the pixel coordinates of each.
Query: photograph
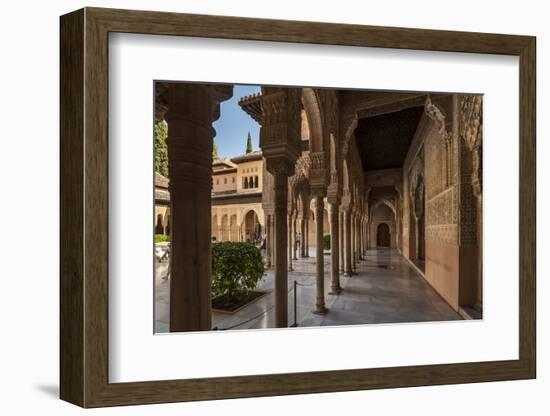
column 296, row 207
column 285, row 203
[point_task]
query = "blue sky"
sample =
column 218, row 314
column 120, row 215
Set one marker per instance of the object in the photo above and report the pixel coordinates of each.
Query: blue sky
column 234, row 124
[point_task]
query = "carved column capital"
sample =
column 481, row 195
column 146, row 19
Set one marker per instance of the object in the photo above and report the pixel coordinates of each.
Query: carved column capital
column 279, row 167
column 317, row 170
column 333, row 199
column 281, row 121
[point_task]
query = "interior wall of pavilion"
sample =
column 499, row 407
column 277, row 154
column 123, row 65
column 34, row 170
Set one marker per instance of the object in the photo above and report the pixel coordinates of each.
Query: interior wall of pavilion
column 433, row 202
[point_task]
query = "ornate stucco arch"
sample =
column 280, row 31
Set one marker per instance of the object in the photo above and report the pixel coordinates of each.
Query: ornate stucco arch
column 245, row 212
column 386, row 202
column 314, row 116
column 345, row 176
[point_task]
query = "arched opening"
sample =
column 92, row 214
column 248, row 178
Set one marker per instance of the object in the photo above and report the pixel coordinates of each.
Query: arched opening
column 311, row 227
column 252, row 228
column 314, row 120
column 383, row 235
column 245, row 183
column 382, row 215
column 305, row 126
column 255, row 181
column 224, row 229
column 233, row 228
column 215, row 231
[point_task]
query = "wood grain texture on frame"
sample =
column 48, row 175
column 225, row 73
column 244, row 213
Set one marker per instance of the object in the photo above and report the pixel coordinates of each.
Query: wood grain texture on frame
column 84, row 207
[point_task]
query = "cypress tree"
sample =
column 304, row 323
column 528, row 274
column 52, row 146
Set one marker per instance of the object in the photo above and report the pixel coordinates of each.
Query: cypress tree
column 215, row 152
column 249, row 144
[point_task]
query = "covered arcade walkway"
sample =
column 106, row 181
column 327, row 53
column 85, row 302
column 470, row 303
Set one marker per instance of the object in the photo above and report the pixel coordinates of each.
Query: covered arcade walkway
column 385, row 289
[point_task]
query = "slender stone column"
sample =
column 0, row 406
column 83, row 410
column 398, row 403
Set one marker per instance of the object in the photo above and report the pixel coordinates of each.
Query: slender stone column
column 353, row 242
column 347, row 243
column 280, row 142
column 369, row 246
column 357, row 240
column 294, row 247
column 189, row 117
column 269, row 241
column 306, row 239
column 290, row 243
column 273, row 239
column 365, row 241
column 281, row 264
column 335, row 287
column 359, row 256
column 320, row 308
column 341, row 243
column 303, row 236
column 360, row 236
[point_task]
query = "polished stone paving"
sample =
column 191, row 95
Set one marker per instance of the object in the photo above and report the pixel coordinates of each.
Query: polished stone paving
column 385, row 289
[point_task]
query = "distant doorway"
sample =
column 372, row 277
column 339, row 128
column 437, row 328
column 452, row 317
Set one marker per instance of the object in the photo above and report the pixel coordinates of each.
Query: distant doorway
column 383, row 235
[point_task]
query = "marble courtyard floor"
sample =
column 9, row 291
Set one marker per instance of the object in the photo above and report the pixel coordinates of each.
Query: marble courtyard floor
column 385, row 289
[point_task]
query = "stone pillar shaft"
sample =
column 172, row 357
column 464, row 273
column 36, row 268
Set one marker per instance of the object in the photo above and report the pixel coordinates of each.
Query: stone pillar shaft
column 334, row 249
column 269, row 240
column 347, row 243
column 341, row 243
column 362, row 238
column 281, row 265
column 294, row 246
column 190, row 170
column 320, row 266
column 306, row 239
column 353, row 241
column 303, row 237
column 290, row 243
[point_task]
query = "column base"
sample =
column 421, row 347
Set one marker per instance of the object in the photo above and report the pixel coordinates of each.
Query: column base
column 335, row 291
column 347, row 274
column 290, row 269
column 320, row 310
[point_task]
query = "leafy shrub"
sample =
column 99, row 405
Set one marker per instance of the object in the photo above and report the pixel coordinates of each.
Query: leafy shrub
column 326, row 242
column 236, row 268
column 162, row 238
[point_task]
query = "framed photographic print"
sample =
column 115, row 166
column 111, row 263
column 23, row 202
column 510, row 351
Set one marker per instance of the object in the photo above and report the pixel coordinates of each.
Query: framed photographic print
column 256, row 207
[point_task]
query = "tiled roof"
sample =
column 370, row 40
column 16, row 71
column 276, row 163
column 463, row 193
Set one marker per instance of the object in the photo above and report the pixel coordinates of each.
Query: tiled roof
column 248, row 157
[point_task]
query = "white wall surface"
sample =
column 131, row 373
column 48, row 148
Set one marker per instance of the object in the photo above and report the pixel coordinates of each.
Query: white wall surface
column 29, row 160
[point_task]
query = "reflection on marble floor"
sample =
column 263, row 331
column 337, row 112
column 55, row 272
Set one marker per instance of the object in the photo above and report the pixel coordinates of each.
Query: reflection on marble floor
column 386, row 289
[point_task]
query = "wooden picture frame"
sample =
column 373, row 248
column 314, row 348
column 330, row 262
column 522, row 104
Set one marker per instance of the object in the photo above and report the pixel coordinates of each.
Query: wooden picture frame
column 84, row 207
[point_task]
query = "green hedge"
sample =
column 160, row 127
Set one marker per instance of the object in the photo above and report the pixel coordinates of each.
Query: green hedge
column 236, row 268
column 326, row 242
column 161, row 238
